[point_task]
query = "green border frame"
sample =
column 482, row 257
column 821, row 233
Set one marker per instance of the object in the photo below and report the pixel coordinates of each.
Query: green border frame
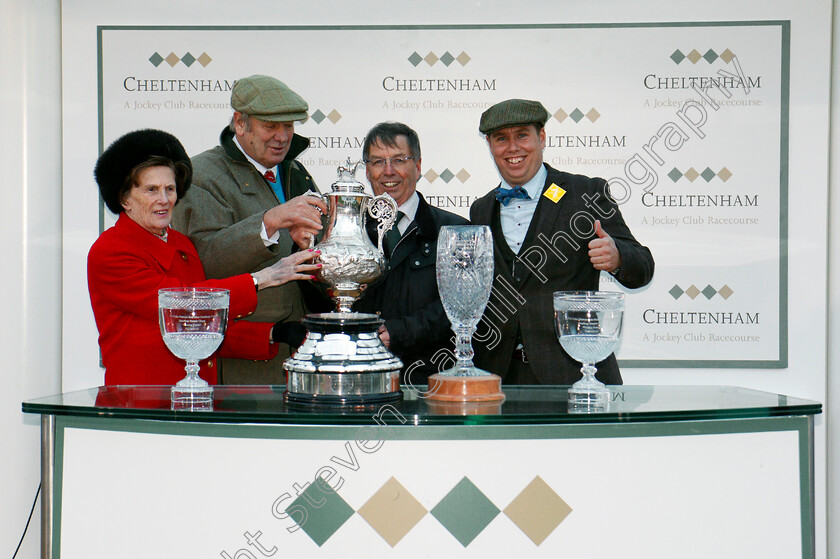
column 784, row 151
column 802, row 425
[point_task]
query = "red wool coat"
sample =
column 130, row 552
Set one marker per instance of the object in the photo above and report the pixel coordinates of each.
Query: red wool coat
column 126, row 267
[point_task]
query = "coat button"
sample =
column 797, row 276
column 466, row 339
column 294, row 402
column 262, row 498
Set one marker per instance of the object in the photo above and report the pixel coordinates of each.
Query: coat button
column 184, row 256
column 416, row 262
column 209, row 363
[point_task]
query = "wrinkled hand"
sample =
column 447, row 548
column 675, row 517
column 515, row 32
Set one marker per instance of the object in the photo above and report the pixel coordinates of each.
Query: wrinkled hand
column 602, row 251
column 297, row 266
column 384, row 336
column 301, row 216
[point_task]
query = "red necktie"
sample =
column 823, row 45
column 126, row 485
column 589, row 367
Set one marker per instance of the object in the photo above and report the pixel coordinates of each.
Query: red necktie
column 269, row 176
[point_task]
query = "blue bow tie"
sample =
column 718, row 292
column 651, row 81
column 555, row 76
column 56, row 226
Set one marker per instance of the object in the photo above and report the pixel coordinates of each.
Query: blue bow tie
column 505, row 195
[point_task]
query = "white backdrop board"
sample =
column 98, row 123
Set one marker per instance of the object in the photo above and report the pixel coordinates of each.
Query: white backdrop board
column 688, row 120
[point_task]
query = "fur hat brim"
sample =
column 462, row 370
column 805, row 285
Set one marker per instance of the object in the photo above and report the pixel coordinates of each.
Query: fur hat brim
column 127, row 152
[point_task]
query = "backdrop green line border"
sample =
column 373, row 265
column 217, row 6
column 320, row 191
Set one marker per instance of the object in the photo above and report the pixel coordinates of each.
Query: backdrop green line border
column 784, row 26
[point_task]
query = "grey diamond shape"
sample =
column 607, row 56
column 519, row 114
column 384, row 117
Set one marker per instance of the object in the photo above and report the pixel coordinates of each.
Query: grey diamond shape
column 415, row 58
column 447, row 58
column 709, row 292
column 318, row 116
column 677, row 56
column 675, row 174
column 156, row 59
column 707, row 174
column 320, row 511
column 676, row 292
column 710, row 56
column 465, row 511
column 577, row 115
column 447, row 175
column 188, row 60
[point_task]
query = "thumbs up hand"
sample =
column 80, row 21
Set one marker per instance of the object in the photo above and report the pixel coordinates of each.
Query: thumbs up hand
column 602, row 251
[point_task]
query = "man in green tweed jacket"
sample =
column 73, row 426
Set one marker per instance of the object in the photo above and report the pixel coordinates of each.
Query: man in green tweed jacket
column 246, row 208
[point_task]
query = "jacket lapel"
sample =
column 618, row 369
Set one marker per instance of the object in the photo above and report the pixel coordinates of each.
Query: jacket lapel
column 546, row 219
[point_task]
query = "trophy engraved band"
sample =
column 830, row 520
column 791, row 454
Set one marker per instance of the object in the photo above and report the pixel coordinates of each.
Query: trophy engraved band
column 342, row 361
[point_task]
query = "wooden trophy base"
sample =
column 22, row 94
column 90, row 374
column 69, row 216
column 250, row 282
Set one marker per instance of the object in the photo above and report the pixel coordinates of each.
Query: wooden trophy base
column 443, row 388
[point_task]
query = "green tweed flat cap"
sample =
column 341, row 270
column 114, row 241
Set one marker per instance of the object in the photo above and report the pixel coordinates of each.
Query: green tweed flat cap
column 513, row 112
column 268, row 99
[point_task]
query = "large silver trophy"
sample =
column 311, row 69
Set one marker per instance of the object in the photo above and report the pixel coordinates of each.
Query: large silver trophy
column 342, row 361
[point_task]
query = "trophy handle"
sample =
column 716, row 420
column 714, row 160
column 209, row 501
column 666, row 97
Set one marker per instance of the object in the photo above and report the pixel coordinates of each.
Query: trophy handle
column 323, row 199
column 384, row 209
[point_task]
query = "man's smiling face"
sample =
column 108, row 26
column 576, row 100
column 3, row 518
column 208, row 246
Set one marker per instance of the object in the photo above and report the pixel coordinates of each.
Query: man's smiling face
column 517, row 152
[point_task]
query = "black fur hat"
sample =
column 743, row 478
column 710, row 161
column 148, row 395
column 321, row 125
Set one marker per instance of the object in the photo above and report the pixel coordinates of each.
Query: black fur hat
column 116, row 163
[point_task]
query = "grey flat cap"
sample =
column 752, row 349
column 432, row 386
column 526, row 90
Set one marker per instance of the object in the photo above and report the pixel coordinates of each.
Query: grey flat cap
column 513, row 112
column 268, row 99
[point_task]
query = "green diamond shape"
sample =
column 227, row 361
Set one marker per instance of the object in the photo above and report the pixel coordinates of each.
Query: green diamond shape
column 447, row 175
column 156, row 59
column 321, row 511
column 710, row 56
column 415, row 58
column 677, row 56
column 675, row 174
column 709, row 292
column 465, row 511
column 707, row 174
column 676, row 292
column 447, row 58
column 577, row 115
column 188, row 60
column 318, row 116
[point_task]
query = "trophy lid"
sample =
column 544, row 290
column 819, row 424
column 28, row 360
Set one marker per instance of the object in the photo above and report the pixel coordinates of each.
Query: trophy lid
column 347, row 182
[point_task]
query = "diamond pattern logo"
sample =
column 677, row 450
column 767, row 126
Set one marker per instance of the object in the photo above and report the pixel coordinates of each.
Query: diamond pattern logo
column 318, row 116
column 188, row 59
column 537, row 510
column 577, row 115
column 320, row 511
column 708, row 292
column 392, row 512
column 446, row 175
column 691, row 174
column 465, row 511
column 447, row 58
column 694, row 56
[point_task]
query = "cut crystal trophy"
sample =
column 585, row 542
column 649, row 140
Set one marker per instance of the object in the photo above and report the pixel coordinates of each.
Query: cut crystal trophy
column 465, row 280
column 588, row 325
column 193, row 321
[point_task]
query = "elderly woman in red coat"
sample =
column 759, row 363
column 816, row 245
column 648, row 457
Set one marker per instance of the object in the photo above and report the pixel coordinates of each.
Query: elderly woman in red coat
column 141, row 176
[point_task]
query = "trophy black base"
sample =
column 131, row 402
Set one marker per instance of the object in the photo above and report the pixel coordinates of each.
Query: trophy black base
column 342, row 362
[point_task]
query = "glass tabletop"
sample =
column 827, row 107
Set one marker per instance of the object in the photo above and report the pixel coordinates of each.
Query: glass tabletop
column 522, row 405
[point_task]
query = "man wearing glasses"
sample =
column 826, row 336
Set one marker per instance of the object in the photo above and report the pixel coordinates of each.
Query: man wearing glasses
column 406, row 296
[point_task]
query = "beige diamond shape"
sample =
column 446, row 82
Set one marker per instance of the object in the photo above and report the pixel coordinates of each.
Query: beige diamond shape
column 725, row 292
column 431, row 175
column 593, row 115
column 692, row 291
column 463, row 58
column 691, row 174
column 724, row 174
column 694, row 56
column 727, row 56
column 431, row 59
column 172, row 59
column 561, row 115
column 392, row 511
column 204, row 59
column 537, row 510
column 463, row 175
column 334, row 116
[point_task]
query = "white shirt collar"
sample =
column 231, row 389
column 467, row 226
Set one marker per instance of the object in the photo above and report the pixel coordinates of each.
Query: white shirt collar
column 253, row 161
column 534, row 186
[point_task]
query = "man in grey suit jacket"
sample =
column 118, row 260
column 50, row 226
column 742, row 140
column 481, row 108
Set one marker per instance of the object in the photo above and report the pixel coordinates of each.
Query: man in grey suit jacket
column 552, row 231
column 246, row 208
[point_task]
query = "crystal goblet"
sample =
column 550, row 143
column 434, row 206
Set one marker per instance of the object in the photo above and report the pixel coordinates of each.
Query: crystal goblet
column 588, row 326
column 193, row 322
column 465, row 279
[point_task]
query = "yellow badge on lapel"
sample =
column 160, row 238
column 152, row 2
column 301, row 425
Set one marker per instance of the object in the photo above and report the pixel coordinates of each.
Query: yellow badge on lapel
column 554, row 193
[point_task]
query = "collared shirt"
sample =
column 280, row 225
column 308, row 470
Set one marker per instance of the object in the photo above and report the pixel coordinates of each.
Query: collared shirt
column 409, row 208
column 516, row 216
column 267, row 241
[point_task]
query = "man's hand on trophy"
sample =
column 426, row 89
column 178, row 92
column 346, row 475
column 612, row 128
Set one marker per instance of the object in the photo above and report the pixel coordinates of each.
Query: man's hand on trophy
column 301, row 212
